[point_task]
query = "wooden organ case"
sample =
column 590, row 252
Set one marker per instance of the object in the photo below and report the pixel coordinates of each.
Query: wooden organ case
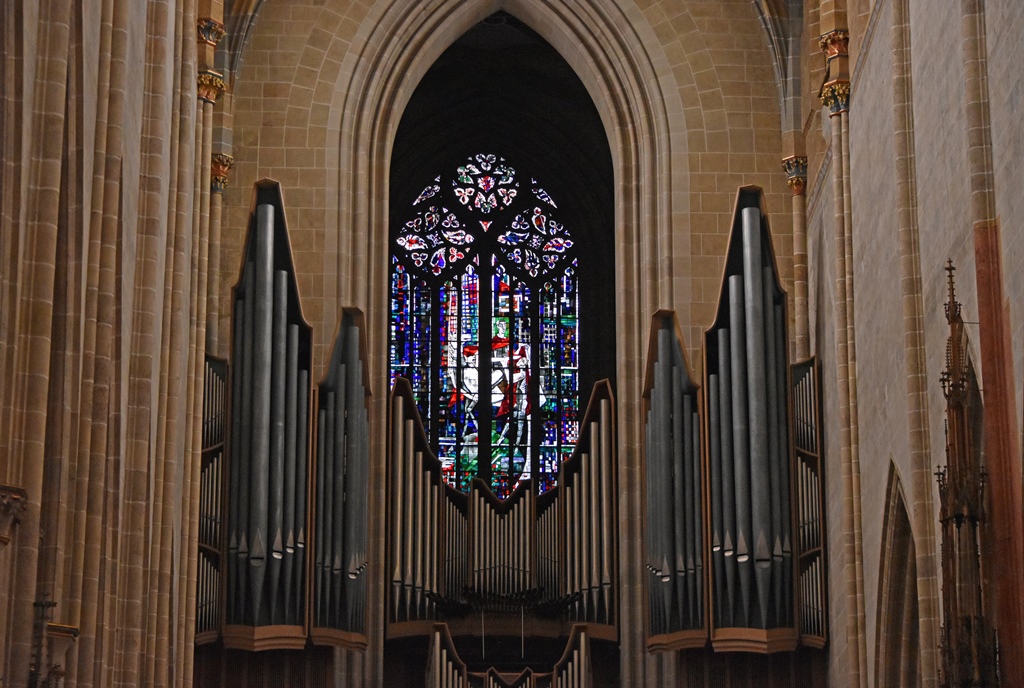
column 734, row 519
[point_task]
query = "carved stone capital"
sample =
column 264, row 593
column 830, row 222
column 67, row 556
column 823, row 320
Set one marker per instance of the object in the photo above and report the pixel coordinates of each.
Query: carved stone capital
column 835, row 95
column 210, row 31
column 835, row 44
column 795, row 168
column 211, row 85
column 13, row 504
column 220, row 166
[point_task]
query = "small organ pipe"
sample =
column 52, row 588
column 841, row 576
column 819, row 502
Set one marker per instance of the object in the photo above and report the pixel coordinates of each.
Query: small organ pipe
column 301, row 464
column 729, row 526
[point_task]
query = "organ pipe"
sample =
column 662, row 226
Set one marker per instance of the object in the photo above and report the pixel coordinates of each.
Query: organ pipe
column 449, row 551
column 750, row 455
column 675, row 484
column 341, row 485
column 268, row 453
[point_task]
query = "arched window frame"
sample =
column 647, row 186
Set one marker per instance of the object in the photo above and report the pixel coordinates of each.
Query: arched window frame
column 484, row 234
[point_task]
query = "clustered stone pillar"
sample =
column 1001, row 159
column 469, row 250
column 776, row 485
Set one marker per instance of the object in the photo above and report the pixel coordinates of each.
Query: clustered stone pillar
column 795, row 167
column 1002, row 444
column 835, row 95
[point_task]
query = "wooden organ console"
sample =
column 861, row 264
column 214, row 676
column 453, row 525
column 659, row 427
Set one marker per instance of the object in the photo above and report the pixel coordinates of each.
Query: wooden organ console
column 551, row 556
column 744, row 498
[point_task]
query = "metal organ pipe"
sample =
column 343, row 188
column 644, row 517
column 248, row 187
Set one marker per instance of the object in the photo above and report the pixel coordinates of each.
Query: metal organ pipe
column 741, row 445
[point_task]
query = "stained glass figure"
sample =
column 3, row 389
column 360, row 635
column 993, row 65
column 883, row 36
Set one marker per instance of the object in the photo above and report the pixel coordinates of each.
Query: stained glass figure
column 485, row 324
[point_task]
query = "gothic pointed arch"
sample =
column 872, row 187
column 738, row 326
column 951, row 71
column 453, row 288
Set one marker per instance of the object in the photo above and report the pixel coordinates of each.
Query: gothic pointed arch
column 615, row 62
column 897, row 638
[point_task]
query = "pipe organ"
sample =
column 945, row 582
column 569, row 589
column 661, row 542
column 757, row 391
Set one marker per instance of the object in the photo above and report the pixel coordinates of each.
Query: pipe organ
column 811, row 509
column 341, row 486
column 675, row 491
column 444, row 668
column 210, row 500
column 573, row 669
column 746, row 498
column 450, row 552
column 267, row 495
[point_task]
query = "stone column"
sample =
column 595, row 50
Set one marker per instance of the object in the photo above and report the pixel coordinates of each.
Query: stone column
column 922, row 504
column 795, row 167
column 835, row 95
column 220, row 166
column 1002, row 444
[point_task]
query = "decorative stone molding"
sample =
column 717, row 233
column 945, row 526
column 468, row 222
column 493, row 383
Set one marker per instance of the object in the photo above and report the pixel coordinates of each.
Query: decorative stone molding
column 220, row 165
column 211, row 85
column 13, row 503
column 835, row 95
column 795, row 168
column 210, row 31
column 835, row 44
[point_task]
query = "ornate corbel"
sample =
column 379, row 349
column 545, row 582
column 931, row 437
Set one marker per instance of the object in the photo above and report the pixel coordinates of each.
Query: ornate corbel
column 211, row 85
column 835, row 95
column 835, row 43
column 795, row 168
column 210, row 31
column 220, row 166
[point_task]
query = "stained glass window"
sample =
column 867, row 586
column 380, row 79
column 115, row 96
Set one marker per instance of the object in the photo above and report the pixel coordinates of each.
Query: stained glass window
column 485, row 324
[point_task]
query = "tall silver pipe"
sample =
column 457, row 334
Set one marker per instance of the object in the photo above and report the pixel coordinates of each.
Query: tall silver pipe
column 682, row 458
column 785, row 457
column 729, row 524
column 339, row 488
column 715, row 474
column 244, row 462
column 261, row 397
column 301, row 481
column 323, row 439
column 697, row 523
column 771, row 356
column 396, row 479
column 757, row 410
column 290, row 432
column 741, row 444
column 279, row 354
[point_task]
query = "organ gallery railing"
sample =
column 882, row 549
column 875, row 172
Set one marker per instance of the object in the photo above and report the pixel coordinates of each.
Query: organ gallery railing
column 550, row 556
